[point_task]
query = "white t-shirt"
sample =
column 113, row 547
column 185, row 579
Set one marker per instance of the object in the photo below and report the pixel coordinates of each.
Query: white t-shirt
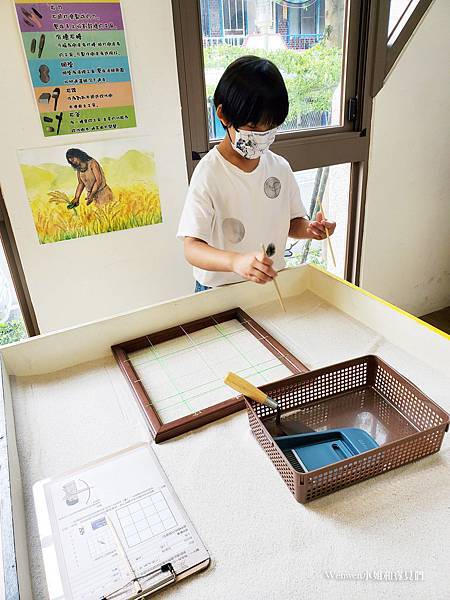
column 236, row 211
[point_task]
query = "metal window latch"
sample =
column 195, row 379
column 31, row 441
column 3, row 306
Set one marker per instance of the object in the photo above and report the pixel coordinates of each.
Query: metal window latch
column 352, row 109
column 198, row 155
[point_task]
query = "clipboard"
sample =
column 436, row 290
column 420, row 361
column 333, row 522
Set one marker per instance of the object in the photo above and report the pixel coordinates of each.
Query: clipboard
column 114, row 529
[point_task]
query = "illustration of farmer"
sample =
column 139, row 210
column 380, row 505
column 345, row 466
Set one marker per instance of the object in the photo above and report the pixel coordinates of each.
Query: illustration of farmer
column 90, row 176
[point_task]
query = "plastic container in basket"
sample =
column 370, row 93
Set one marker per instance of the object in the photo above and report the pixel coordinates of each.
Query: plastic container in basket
column 364, row 392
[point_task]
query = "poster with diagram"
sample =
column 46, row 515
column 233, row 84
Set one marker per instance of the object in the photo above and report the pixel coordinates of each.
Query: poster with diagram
column 91, row 188
column 78, row 64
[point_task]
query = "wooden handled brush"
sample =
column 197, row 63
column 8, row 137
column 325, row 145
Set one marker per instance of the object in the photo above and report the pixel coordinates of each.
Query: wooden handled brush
column 328, row 235
column 248, row 389
column 270, row 252
column 276, row 426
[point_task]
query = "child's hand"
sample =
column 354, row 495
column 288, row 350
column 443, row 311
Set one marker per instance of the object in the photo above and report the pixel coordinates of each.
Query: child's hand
column 254, row 266
column 317, row 228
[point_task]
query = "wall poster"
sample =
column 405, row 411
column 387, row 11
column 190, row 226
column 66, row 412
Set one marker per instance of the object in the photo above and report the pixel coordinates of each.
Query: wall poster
column 78, row 64
column 91, row 188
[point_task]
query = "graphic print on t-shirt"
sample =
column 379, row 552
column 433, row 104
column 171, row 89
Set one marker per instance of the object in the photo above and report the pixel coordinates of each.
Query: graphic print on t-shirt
column 272, row 187
column 233, row 230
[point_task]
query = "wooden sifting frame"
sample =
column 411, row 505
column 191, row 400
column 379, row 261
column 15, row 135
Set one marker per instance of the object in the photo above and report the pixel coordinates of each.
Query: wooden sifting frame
column 164, row 431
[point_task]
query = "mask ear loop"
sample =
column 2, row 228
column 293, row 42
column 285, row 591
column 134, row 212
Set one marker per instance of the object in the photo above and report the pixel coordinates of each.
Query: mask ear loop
column 227, row 127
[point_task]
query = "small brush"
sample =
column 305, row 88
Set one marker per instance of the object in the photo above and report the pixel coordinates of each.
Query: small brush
column 248, row 389
column 326, row 231
column 244, row 387
column 270, row 252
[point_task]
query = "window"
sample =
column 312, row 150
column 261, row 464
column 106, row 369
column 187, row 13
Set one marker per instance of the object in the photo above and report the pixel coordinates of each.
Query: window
column 330, row 187
column 326, row 52
column 403, row 18
column 17, row 318
column 12, row 326
column 233, row 16
column 223, row 22
column 306, row 39
column 397, row 10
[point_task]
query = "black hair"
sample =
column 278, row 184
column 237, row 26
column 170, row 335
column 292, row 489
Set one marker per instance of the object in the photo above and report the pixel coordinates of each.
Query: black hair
column 80, row 154
column 252, row 90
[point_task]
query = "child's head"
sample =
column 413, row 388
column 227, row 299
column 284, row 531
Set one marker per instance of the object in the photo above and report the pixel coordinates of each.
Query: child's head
column 251, row 94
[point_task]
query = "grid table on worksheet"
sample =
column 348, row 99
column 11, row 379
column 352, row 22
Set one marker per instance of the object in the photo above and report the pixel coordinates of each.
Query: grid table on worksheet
column 142, row 520
column 185, row 374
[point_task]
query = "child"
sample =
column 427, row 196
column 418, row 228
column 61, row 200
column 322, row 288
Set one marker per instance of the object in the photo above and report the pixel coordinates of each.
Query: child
column 242, row 195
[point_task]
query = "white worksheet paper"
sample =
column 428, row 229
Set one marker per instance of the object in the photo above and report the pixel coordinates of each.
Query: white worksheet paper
column 93, row 521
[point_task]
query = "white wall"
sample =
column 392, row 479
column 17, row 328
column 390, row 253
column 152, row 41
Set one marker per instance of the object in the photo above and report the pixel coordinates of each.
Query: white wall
column 406, row 253
column 80, row 280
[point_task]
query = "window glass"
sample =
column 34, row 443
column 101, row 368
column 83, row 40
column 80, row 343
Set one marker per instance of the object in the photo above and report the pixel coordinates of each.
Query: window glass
column 396, row 11
column 332, row 186
column 304, row 38
column 233, row 17
column 12, row 326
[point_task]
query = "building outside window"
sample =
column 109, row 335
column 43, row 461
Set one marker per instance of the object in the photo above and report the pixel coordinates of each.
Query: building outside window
column 300, row 24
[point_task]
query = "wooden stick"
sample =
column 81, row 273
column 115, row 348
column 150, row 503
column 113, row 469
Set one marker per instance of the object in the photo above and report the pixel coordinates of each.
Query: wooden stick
column 326, row 231
column 275, row 283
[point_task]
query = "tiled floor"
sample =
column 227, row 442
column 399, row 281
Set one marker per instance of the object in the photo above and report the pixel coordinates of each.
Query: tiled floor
column 439, row 318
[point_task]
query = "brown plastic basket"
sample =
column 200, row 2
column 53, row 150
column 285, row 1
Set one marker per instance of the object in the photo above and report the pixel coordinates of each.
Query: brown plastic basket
column 356, row 393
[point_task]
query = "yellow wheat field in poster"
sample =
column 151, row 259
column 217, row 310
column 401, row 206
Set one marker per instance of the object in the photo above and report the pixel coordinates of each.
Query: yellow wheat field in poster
column 91, row 188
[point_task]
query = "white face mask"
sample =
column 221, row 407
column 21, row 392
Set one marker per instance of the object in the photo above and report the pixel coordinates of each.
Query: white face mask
column 252, row 144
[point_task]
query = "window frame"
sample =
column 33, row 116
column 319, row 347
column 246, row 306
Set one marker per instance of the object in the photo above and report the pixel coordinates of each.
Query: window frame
column 306, row 149
column 402, row 31
column 16, row 271
column 188, row 38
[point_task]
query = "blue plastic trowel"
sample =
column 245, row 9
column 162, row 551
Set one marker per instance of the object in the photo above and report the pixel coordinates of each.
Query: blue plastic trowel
column 322, row 448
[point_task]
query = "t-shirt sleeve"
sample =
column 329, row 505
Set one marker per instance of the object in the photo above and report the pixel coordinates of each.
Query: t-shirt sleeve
column 296, row 205
column 198, row 213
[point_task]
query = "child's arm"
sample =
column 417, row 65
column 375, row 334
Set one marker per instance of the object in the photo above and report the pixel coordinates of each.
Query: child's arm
column 254, row 266
column 301, row 228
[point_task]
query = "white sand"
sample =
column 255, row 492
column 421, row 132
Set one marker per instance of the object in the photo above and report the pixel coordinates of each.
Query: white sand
column 263, row 544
